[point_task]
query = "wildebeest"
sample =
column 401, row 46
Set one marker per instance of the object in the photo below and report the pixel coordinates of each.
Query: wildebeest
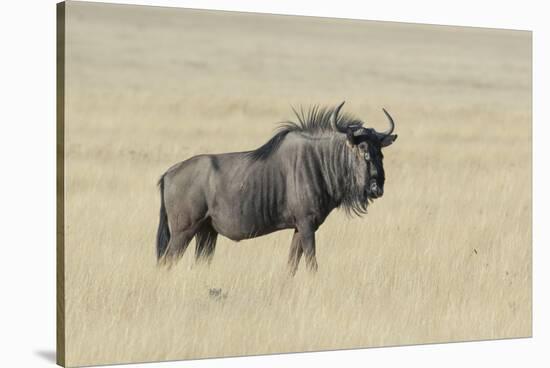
column 293, row 181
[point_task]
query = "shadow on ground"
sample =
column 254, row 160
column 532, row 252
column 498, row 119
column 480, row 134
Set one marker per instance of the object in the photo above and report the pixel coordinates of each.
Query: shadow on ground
column 48, row 355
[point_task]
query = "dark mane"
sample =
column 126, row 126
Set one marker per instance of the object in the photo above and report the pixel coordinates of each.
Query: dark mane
column 269, row 147
column 315, row 120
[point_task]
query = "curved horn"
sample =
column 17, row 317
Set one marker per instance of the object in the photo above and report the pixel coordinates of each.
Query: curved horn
column 392, row 124
column 334, row 118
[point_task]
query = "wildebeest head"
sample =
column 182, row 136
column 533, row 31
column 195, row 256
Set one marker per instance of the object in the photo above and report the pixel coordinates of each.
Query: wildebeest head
column 367, row 144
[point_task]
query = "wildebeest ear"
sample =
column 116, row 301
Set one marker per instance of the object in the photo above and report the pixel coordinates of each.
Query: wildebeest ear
column 387, row 140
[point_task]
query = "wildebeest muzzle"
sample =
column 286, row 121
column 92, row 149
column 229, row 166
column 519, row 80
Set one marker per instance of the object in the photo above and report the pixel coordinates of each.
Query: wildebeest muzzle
column 374, row 189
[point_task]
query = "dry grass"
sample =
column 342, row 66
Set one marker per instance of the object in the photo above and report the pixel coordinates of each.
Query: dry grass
column 445, row 255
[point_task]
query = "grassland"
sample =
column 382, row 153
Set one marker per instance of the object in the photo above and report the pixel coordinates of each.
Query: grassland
column 445, row 255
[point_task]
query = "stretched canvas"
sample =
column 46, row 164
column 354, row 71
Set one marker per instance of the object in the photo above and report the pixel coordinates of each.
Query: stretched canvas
column 237, row 184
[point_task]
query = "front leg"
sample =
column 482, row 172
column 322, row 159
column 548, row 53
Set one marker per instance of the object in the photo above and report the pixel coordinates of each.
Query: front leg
column 295, row 253
column 307, row 240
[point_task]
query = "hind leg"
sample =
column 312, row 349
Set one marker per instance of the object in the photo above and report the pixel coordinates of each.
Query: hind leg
column 178, row 244
column 206, row 243
column 185, row 218
column 179, row 241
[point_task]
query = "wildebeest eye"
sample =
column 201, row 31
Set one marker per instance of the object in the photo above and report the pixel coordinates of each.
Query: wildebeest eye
column 367, row 156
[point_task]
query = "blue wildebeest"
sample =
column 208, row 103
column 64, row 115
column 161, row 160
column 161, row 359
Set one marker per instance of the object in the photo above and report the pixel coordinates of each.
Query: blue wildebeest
column 293, row 181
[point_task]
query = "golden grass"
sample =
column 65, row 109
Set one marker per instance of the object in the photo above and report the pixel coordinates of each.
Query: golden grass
column 444, row 256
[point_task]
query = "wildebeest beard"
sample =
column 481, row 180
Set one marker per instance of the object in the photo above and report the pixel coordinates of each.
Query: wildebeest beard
column 356, row 196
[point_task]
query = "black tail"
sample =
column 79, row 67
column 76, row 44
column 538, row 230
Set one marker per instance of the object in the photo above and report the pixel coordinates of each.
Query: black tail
column 163, row 233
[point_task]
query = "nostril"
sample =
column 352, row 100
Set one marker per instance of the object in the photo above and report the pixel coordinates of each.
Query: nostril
column 375, row 190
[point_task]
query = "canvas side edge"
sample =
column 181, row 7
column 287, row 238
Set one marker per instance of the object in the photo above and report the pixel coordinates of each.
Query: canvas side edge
column 60, row 183
column 531, row 326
